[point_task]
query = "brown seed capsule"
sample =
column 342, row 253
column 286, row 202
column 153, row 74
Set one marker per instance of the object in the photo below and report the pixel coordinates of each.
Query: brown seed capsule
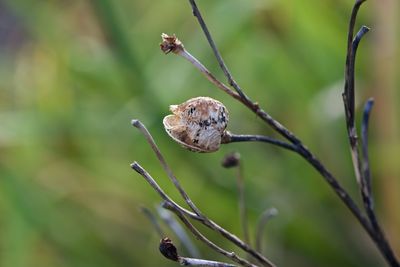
column 197, row 124
column 168, row 249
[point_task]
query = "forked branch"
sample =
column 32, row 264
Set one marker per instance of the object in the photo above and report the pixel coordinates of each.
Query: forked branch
column 370, row 225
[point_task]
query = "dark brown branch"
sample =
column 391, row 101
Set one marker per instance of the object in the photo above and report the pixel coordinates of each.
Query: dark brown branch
column 364, row 145
column 349, row 104
column 366, row 187
column 217, row 54
column 232, row 138
column 348, row 94
column 349, row 88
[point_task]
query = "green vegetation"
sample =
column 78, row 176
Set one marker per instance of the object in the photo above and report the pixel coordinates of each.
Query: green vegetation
column 74, row 73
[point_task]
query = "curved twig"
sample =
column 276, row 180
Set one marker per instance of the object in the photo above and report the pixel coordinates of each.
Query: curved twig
column 150, row 140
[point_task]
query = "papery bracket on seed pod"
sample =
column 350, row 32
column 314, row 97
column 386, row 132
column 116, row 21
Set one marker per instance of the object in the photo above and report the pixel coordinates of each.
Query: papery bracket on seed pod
column 197, row 124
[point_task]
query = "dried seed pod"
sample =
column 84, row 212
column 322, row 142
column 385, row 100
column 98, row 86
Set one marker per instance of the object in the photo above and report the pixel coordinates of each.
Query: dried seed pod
column 197, row 124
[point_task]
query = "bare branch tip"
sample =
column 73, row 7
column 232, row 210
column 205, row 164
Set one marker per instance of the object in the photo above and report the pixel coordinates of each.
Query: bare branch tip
column 136, row 123
column 170, row 43
column 134, row 165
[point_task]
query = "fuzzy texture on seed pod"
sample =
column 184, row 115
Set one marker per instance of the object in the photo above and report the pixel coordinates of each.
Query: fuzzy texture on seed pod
column 197, row 124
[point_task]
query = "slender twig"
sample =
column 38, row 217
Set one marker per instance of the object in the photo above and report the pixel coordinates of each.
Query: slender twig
column 139, row 169
column 150, row 140
column 364, row 145
column 348, row 94
column 173, row 44
column 262, row 221
column 152, row 218
column 198, row 215
column 361, row 165
column 202, row 263
column 349, row 103
column 231, row 81
column 232, row 138
column 366, row 185
column 178, row 230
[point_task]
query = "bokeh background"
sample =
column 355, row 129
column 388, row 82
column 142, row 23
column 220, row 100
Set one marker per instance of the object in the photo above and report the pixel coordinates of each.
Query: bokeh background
column 74, row 73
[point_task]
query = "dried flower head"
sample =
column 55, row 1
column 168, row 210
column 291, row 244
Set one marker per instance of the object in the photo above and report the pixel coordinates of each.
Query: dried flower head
column 170, row 44
column 197, row 124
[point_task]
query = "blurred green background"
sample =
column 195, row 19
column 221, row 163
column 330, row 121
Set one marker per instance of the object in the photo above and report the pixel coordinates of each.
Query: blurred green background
column 74, row 73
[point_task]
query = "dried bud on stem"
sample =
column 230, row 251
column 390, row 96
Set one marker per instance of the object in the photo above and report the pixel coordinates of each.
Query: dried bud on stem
column 170, row 44
column 168, row 249
column 231, row 160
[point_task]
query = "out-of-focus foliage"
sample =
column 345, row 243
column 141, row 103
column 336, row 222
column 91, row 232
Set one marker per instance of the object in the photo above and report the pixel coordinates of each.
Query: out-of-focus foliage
column 74, row 73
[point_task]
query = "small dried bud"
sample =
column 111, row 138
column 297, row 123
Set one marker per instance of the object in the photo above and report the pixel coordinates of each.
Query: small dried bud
column 197, row 124
column 170, row 44
column 231, row 160
column 168, row 249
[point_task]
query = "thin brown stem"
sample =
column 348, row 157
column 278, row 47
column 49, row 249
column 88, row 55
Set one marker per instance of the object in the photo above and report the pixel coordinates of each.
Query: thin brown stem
column 168, row 170
column 233, row 138
column 202, row 263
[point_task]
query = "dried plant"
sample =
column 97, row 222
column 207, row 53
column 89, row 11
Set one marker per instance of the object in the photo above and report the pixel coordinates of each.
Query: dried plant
column 180, row 127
